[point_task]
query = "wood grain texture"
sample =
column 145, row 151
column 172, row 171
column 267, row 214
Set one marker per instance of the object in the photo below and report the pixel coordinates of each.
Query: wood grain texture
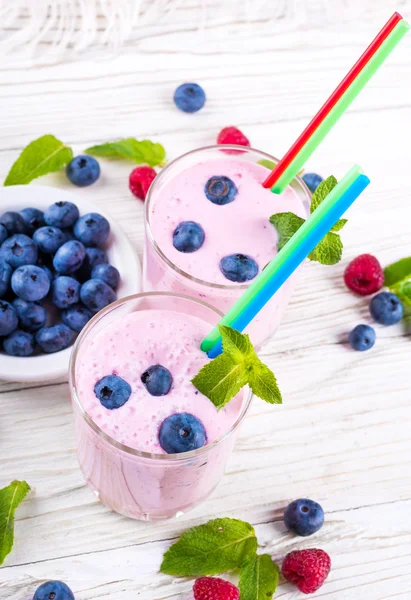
column 342, row 436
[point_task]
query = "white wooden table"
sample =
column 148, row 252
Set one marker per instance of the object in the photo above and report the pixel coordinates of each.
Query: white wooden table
column 342, row 436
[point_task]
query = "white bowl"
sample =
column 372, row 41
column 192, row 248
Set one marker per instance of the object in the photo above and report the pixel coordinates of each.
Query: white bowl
column 121, row 254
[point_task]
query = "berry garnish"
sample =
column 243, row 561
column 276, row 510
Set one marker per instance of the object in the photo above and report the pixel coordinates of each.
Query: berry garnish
column 188, row 236
column 53, row 590
column 238, row 267
column 182, row 432
column 312, row 181
column 232, row 135
column 157, row 380
column 304, row 517
column 362, row 338
column 112, row 391
column 140, row 180
column 307, row 569
column 220, row 190
column 83, row 170
column 54, row 339
column 386, row 308
column 364, row 275
column 213, row 588
column 189, row 97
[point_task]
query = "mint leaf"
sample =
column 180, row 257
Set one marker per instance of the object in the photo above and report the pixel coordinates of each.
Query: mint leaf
column 218, row 546
column 322, row 192
column 397, row 271
column 403, row 290
column 339, row 225
column 286, row 225
column 263, row 383
column 42, row 156
column 328, row 251
column 10, row 498
column 141, row 152
column 259, row 578
column 237, row 345
column 221, row 379
column 269, row 164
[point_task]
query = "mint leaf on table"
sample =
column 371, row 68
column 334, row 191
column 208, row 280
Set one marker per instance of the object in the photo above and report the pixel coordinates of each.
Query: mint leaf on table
column 259, row 578
column 397, row 271
column 328, row 251
column 218, row 546
column 140, row 152
column 10, row 498
column 42, row 156
column 286, row 225
column 402, row 289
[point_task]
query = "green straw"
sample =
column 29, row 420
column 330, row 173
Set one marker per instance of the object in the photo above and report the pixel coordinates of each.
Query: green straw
column 346, row 99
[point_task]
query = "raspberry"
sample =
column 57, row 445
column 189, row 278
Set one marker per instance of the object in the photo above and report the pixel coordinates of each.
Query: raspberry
column 307, row 569
column 232, row 135
column 212, row 588
column 364, row 275
column 140, row 180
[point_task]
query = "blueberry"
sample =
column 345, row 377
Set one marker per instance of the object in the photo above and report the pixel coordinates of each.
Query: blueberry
column 94, row 256
column 65, row 291
column 54, row 339
column 106, row 273
column 76, row 317
column 3, row 233
column 312, row 181
column 69, row 257
column 5, row 276
column 19, row 343
column 53, row 590
column 95, row 294
column 83, row 170
column 386, row 308
column 238, row 267
column 13, row 222
column 189, row 97
column 30, row 283
column 19, row 250
column 47, row 271
column 362, row 338
column 32, row 315
column 157, row 380
column 49, row 239
column 112, row 391
column 8, row 318
column 33, row 218
column 92, row 229
column 220, row 190
column 182, row 432
column 61, row 214
column 304, row 517
column 188, row 236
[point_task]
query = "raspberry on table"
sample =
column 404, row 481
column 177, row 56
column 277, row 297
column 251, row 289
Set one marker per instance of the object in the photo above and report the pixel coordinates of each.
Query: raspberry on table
column 307, row 569
column 232, row 135
column 213, row 588
column 364, row 275
column 140, row 180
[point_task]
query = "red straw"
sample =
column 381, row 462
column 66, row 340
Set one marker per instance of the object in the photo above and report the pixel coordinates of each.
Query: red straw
column 332, row 101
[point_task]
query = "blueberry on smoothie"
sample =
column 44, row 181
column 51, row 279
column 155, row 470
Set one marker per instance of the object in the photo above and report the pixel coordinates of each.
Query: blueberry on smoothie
column 95, row 294
column 5, row 276
column 157, row 380
column 65, row 291
column 53, row 590
column 61, row 214
column 13, row 222
column 220, row 190
column 69, row 257
column 189, row 97
column 238, row 267
column 30, row 283
column 304, row 517
column 76, row 317
column 19, row 343
column 49, row 239
column 182, row 432
column 54, row 339
column 188, row 236
column 19, row 250
column 32, row 315
column 83, row 170
column 33, row 218
column 106, row 273
column 8, row 318
column 112, row 391
column 92, row 229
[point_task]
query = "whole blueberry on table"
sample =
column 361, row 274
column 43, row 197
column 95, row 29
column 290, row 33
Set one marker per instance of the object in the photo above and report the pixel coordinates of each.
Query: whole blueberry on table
column 8, row 318
column 189, row 97
column 157, row 380
column 112, row 391
column 304, row 517
column 65, row 291
column 95, row 294
column 238, row 267
column 188, row 236
column 220, row 190
column 13, row 222
column 19, row 250
column 386, row 308
column 49, row 239
column 83, row 170
column 54, row 339
column 19, row 343
column 32, row 315
column 69, row 257
column 5, row 276
column 92, row 229
column 76, row 317
column 106, row 273
column 61, row 214
column 312, row 181
column 33, row 218
column 182, row 432
column 30, row 283
column 3, row 233
column 362, row 338
column 53, row 590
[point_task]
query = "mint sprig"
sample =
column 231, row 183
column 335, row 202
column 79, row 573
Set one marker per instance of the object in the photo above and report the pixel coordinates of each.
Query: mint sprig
column 259, row 578
column 10, row 497
column 140, row 152
column 397, row 277
column 222, row 378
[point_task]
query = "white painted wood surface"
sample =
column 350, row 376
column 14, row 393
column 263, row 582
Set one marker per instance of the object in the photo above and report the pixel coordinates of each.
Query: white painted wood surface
column 342, row 436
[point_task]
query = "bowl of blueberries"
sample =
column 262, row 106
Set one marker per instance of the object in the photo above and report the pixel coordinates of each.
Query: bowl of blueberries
column 61, row 261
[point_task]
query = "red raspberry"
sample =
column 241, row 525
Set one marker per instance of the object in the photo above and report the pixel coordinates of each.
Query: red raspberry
column 212, row 588
column 232, row 135
column 140, row 180
column 364, row 275
column 307, row 569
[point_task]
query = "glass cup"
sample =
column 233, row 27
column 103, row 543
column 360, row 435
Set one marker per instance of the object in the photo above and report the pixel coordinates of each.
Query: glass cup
column 139, row 484
column 160, row 273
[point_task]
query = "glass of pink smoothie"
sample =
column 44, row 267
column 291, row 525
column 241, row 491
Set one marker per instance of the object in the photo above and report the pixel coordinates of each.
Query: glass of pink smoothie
column 238, row 228
column 119, row 448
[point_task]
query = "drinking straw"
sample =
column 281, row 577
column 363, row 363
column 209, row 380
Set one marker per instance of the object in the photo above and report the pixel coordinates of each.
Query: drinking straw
column 290, row 257
column 339, row 101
